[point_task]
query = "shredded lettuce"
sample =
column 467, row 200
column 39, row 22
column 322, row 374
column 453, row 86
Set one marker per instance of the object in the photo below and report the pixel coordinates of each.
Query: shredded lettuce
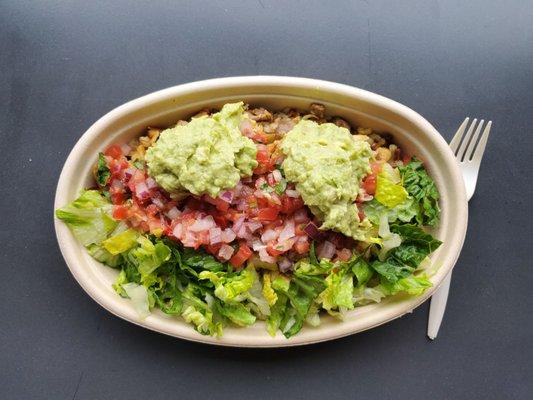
column 402, row 261
column 404, row 212
column 388, row 193
column 390, row 240
column 88, row 217
column 100, row 254
column 422, row 188
column 361, row 270
column 139, row 298
column 277, row 311
column 121, row 242
column 337, row 296
column 268, row 292
column 148, row 256
column 102, row 172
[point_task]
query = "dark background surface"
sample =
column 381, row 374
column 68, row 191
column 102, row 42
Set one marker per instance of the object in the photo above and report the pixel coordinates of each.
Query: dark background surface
column 65, row 64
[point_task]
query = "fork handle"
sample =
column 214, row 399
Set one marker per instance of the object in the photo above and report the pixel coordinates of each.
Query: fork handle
column 438, row 306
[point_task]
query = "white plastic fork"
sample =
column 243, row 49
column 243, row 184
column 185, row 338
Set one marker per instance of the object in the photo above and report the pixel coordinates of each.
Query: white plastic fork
column 468, row 149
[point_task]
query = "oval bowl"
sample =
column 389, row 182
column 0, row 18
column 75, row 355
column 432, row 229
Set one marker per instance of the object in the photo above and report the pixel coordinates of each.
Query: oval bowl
column 410, row 130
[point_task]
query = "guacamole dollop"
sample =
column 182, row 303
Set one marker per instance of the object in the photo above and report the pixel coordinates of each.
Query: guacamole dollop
column 327, row 165
column 207, row 155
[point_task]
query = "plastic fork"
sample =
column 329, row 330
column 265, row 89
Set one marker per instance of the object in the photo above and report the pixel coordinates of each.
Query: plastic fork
column 468, row 148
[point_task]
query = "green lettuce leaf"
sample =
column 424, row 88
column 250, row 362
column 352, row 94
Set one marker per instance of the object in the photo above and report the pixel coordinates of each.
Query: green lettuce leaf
column 361, row 270
column 363, row 295
column 200, row 260
column 337, row 296
column 236, row 313
column 139, row 298
column 198, row 312
column 403, row 260
column 277, row 312
column 404, row 212
column 229, row 286
column 388, row 193
column 413, row 285
column 268, row 292
column 422, row 188
column 88, row 217
column 102, row 172
column 121, row 242
column 147, row 257
column 301, row 292
column 102, row 255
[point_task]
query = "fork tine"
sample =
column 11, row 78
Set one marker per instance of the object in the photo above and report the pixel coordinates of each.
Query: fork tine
column 466, row 140
column 454, row 144
column 470, row 150
column 476, row 158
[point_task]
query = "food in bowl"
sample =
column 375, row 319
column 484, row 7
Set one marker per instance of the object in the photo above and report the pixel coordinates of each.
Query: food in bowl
column 244, row 213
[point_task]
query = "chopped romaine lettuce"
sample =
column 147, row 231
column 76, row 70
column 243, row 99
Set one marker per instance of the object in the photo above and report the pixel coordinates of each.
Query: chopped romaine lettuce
column 88, row 217
column 121, row 242
column 422, row 188
column 139, row 298
column 388, row 193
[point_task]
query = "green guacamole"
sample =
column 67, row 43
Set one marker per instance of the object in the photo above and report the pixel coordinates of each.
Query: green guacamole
column 206, row 155
column 327, row 164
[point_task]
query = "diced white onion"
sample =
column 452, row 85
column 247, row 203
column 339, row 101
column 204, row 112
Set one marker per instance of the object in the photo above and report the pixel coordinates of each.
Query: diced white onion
column 228, row 235
column 326, row 250
column 292, row 193
column 173, row 213
column 300, row 216
column 215, row 235
column 288, row 231
column 265, row 257
column 225, row 252
column 238, row 224
column 276, row 174
column 203, row 224
column 269, row 235
column 151, row 183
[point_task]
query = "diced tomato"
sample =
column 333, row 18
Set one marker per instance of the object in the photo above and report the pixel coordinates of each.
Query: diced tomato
column 221, row 204
column 265, row 162
column 233, row 215
column 262, row 202
column 114, row 168
column 113, row 151
column 369, row 184
column 268, row 214
column 120, row 212
column 213, row 248
column 361, row 214
column 203, row 237
column 220, row 220
column 301, row 247
column 344, row 254
column 151, row 210
column 291, row 204
column 263, row 157
column 243, row 254
column 271, row 249
column 194, row 204
column 406, row 159
column 117, row 198
column 376, row 167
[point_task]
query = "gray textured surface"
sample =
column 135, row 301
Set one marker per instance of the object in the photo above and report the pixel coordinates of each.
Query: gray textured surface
column 63, row 65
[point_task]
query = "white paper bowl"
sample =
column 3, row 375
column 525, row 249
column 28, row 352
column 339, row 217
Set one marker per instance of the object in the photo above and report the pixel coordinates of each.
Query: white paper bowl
column 360, row 107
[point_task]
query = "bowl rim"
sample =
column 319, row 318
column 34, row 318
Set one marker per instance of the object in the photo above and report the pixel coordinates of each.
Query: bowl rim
column 116, row 308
